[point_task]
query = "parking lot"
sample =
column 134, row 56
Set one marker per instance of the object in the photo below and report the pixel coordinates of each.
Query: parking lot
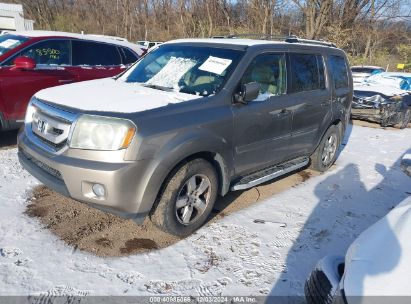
column 244, row 249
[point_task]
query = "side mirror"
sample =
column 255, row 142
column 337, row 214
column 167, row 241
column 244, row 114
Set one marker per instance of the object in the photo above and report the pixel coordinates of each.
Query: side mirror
column 249, row 92
column 24, row 63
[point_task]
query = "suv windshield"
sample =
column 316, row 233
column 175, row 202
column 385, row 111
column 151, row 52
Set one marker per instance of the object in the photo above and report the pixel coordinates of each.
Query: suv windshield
column 9, row 42
column 187, row 69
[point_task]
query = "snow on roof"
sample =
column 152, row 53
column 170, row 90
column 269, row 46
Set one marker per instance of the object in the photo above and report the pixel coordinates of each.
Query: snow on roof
column 100, row 38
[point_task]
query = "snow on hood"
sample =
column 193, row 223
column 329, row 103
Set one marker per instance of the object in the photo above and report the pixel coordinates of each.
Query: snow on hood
column 110, row 95
column 379, row 261
column 394, row 83
column 378, row 88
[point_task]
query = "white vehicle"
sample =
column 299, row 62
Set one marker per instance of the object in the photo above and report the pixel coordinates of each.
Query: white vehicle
column 149, row 44
column 359, row 73
column 378, row 263
column 384, row 98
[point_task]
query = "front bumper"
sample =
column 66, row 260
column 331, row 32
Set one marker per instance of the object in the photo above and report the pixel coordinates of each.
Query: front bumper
column 74, row 175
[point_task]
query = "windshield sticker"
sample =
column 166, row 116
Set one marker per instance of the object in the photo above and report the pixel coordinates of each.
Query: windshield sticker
column 215, row 65
column 8, row 43
column 172, row 72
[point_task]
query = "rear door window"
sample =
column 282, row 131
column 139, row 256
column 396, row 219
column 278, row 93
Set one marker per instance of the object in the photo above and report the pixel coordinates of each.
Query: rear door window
column 269, row 70
column 307, row 72
column 49, row 52
column 86, row 53
column 339, row 71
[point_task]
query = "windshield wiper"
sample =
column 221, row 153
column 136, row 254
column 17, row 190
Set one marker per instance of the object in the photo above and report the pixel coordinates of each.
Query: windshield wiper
column 157, row 87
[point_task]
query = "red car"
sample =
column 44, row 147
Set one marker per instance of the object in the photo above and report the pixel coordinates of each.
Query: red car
column 32, row 61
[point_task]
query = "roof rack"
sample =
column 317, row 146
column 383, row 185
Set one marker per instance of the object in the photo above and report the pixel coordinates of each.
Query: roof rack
column 289, row 39
column 294, row 39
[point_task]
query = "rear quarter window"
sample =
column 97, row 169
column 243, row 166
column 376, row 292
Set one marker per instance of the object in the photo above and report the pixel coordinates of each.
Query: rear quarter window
column 339, row 71
column 128, row 56
column 95, row 54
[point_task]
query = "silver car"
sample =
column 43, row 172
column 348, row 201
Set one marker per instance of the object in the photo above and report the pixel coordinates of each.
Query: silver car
column 191, row 120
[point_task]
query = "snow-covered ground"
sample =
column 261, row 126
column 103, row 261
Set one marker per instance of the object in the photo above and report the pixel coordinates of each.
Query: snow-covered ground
column 234, row 256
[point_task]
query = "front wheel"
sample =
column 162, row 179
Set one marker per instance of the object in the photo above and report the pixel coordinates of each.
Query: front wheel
column 326, row 153
column 187, row 199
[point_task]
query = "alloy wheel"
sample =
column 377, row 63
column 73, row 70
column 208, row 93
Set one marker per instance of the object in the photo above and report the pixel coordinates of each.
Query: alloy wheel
column 193, row 199
column 330, row 148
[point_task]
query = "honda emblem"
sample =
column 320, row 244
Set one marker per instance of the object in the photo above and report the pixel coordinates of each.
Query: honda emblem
column 41, row 125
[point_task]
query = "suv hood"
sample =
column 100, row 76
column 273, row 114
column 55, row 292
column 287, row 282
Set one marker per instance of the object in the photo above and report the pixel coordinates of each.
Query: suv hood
column 110, row 95
column 378, row 263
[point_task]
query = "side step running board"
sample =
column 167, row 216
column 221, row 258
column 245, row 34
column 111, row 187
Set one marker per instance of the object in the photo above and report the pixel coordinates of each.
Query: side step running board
column 270, row 173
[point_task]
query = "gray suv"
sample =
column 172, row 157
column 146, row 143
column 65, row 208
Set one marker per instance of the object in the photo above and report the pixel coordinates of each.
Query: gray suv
column 191, row 120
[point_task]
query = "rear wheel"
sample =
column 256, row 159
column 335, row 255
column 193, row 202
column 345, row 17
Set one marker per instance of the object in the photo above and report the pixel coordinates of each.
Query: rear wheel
column 326, row 153
column 187, row 199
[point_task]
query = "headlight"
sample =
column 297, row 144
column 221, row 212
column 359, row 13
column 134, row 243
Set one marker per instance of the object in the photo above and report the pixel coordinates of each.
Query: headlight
column 29, row 113
column 102, row 133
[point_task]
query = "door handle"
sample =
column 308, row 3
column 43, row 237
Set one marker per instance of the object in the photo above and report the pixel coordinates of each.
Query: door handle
column 66, row 80
column 282, row 113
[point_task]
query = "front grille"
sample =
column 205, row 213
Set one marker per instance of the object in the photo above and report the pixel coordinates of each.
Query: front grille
column 50, row 125
column 42, row 165
column 51, row 144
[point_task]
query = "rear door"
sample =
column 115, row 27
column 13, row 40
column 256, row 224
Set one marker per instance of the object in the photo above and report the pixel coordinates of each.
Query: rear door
column 18, row 86
column 312, row 112
column 262, row 128
column 93, row 60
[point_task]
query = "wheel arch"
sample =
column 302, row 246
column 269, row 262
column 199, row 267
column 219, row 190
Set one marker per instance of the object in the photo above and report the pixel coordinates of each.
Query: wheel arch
column 336, row 122
column 160, row 172
column 216, row 160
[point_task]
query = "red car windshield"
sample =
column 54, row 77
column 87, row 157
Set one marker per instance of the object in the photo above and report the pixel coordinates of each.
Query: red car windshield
column 9, row 42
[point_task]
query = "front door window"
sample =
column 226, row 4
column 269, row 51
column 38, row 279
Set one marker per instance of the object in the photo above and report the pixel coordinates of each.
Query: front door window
column 269, row 70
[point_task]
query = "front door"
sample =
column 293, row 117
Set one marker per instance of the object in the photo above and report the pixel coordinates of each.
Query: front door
column 262, row 128
column 18, row 86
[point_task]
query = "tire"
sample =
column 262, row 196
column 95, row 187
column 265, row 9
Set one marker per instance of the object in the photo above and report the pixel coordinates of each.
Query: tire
column 405, row 118
column 323, row 282
column 183, row 206
column 318, row 160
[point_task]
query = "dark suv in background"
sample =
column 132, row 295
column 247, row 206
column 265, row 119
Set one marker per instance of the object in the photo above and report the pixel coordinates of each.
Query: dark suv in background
column 193, row 119
column 32, row 61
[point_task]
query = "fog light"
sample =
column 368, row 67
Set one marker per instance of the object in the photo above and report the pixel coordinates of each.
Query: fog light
column 99, row 190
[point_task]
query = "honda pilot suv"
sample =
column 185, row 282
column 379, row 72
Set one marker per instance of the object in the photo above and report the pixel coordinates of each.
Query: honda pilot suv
column 191, row 120
column 35, row 60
